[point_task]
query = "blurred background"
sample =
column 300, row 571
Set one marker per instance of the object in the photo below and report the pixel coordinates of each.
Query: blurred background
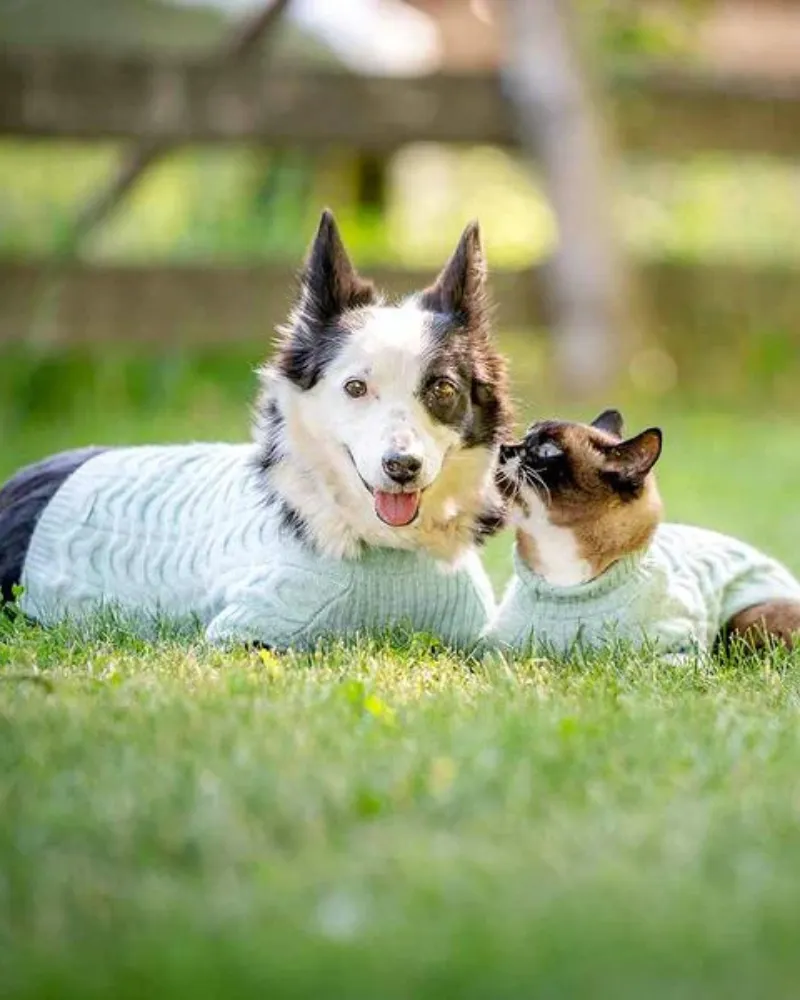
column 634, row 165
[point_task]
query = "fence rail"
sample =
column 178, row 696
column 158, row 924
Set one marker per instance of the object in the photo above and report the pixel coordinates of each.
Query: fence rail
column 202, row 305
column 91, row 96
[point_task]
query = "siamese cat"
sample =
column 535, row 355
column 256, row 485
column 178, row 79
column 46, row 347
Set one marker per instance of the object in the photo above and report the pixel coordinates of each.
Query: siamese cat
column 596, row 564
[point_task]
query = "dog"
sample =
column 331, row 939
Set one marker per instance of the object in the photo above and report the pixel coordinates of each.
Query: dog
column 376, row 435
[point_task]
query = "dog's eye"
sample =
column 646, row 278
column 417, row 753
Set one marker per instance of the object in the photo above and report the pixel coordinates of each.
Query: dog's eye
column 355, row 387
column 444, row 391
column 548, row 449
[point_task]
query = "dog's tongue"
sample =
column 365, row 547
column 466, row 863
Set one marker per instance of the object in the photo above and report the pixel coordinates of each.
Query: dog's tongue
column 396, row 509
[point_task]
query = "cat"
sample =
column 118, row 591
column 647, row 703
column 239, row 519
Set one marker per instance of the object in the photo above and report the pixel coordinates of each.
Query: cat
column 594, row 562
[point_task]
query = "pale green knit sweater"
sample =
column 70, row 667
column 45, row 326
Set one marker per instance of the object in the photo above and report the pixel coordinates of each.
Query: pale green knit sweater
column 674, row 597
column 184, row 533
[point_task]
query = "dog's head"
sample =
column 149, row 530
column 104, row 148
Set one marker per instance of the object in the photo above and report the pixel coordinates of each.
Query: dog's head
column 397, row 409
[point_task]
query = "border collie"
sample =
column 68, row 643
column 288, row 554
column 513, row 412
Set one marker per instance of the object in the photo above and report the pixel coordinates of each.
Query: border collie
column 377, row 429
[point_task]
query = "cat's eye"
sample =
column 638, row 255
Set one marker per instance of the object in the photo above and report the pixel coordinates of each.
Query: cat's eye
column 548, row 449
column 355, row 387
column 444, row 391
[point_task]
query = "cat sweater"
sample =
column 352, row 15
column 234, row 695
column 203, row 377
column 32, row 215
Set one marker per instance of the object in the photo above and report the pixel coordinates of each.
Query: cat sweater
column 673, row 597
column 185, row 533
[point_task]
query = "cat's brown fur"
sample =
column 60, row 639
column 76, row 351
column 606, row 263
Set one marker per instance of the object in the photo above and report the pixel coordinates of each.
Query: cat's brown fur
column 763, row 624
column 601, row 490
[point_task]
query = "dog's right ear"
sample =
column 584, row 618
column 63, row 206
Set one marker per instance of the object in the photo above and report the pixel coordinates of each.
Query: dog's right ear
column 460, row 289
column 330, row 285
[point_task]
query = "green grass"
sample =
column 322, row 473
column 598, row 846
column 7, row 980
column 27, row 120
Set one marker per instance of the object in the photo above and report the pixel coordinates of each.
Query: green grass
column 383, row 823
column 388, row 822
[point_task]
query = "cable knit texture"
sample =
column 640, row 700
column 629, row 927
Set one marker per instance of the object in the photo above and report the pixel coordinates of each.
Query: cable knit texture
column 184, row 533
column 673, row 598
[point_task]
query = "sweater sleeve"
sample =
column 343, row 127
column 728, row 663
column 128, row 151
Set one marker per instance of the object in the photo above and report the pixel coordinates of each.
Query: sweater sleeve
column 295, row 609
column 274, row 608
column 464, row 617
column 241, row 623
column 751, row 578
column 512, row 626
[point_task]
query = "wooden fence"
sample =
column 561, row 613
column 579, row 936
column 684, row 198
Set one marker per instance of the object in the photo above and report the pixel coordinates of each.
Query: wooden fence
column 184, row 304
column 87, row 96
column 50, row 94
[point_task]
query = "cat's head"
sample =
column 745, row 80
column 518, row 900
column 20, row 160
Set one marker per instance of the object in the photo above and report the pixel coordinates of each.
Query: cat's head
column 582, row 495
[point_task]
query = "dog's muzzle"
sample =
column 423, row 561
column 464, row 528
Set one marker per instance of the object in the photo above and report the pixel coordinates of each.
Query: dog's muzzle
column 397, row 507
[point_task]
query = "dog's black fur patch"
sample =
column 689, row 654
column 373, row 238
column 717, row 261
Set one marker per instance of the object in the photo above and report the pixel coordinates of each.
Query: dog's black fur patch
column 292, row 522
column 463, row 349
column 270, row 425
column 270, row 453
column 22, row 501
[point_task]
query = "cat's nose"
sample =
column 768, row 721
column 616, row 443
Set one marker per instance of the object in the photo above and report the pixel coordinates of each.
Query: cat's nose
column 509, row 451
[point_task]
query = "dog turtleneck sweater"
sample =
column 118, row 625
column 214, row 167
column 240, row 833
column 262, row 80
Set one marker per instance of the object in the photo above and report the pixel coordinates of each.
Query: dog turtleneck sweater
column 184, row 533
column 673, row 597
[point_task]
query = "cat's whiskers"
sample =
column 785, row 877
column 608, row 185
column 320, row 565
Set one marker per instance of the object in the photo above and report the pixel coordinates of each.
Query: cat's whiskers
column 540, row 486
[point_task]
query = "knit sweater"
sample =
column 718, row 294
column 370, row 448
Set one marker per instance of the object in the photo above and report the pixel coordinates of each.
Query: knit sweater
column 673, row 598
column 185, row 533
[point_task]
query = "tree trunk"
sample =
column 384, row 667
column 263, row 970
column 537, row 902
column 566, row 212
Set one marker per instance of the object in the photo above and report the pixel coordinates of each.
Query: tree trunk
column 562, row 125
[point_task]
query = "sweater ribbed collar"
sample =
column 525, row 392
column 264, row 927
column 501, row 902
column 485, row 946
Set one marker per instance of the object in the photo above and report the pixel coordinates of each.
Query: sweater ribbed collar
column 621, row 576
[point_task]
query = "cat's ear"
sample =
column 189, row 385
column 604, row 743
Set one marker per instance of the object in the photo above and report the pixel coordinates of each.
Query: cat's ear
column 611, row 422
column 330, row 285
column 630, row 461
column 460, row 289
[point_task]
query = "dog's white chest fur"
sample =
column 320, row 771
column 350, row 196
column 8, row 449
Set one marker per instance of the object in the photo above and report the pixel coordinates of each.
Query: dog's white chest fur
column 558, row 557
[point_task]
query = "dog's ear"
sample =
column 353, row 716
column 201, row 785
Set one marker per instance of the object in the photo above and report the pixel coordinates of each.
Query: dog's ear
column 611, row 422
column 330, row 284
column 460, row 289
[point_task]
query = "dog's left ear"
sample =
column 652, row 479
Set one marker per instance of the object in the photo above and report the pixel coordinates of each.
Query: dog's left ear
column 460, row 289
column 330, row 283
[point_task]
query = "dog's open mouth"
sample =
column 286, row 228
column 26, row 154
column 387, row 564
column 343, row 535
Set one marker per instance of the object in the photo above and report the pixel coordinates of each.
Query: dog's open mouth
column 395, row 509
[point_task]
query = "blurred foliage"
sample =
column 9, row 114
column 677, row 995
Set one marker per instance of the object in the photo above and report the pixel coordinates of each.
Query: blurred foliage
column 623, row 30
column 713, row 207
column 250, row 204
column 139, row 25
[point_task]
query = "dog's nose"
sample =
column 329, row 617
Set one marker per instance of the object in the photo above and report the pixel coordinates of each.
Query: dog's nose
column 402, row 468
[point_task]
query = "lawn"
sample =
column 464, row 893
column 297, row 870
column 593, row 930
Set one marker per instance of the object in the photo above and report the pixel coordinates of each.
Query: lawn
column 380, row 822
